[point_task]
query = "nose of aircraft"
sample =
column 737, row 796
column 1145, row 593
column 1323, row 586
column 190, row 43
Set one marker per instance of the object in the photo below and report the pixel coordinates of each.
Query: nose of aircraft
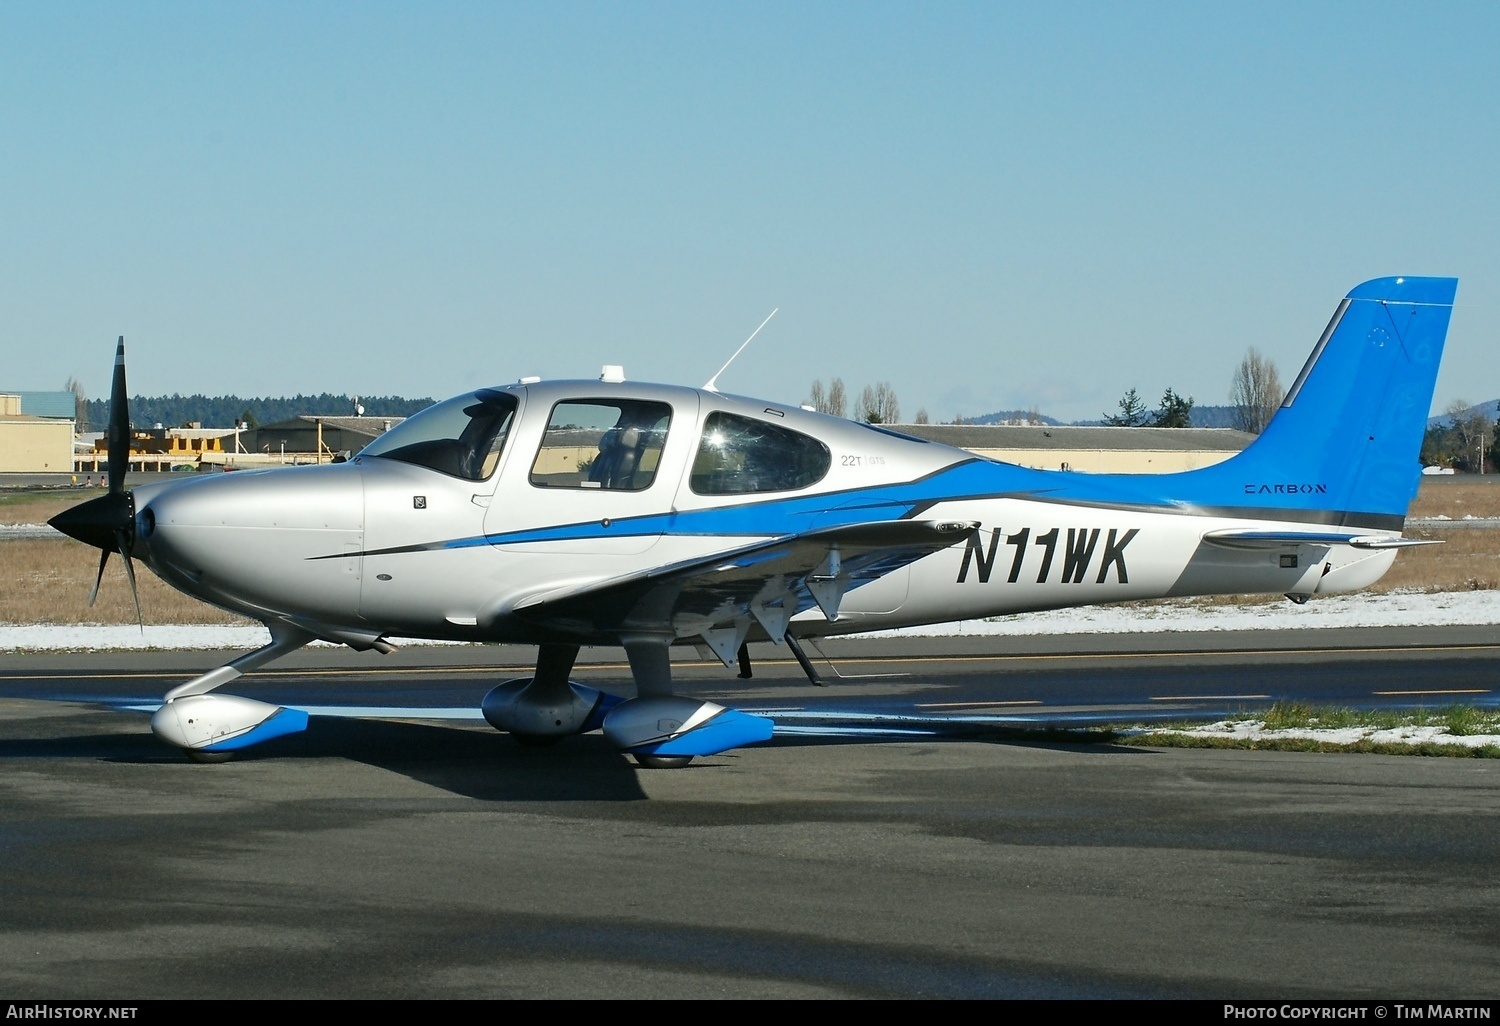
column 99, row 522
column 272, row 539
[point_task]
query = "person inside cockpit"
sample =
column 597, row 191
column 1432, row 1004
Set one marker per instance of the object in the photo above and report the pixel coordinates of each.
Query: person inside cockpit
column 619, row 456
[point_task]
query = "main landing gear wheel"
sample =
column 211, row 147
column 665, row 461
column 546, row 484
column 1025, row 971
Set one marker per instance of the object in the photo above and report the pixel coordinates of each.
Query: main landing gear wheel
column 198, row 755
column 662, row 761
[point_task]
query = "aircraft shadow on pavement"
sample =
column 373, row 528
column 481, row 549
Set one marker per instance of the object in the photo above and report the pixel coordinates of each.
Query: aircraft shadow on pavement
column 484, row 764
column 1034, row 741
column 481, row 764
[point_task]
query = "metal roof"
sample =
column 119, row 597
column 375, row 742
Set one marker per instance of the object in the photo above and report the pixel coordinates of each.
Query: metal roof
column 371, row 426
column 47, row 404
column 1040, row 436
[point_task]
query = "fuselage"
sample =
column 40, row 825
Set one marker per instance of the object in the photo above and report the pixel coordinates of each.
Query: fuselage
column 507, row 495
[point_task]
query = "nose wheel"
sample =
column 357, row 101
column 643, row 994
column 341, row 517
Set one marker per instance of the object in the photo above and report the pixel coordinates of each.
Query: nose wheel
column 208, row 758
column 662, row 761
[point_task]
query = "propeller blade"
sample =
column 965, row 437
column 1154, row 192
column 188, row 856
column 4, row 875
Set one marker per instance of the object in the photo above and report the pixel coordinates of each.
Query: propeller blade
column 103, row 558
column 108, row 521
column 124, row 539
column 118, row 433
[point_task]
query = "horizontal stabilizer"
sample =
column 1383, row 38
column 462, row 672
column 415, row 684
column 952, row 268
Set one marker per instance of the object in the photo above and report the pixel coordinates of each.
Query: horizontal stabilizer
column 1276, row 539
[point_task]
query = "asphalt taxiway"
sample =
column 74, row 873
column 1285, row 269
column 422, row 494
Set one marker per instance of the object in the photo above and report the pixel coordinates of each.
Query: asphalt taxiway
column 422, row 857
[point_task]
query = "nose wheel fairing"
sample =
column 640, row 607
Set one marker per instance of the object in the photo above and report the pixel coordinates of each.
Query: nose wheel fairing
column 193, row 719
column 223, row 723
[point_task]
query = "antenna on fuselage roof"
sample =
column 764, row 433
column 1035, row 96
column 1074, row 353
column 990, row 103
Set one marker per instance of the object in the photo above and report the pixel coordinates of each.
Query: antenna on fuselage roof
column 713, row 382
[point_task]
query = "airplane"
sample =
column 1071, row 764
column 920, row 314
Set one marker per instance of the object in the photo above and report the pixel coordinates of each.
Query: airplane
column 608, row 512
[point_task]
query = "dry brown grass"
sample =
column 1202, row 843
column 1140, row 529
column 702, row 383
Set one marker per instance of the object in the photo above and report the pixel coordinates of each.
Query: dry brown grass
column 48, row 580
column 1468, row 560
column 1458, row 496
column 28, row 506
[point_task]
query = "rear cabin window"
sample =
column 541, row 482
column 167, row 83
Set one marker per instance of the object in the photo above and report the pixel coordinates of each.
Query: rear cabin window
column 738, row 455
column 613, row 444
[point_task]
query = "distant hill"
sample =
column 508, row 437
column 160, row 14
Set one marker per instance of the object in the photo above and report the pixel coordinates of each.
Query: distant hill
column 1012, row 417
column 224, row 410
column 1486, row 409
column 1214, row 416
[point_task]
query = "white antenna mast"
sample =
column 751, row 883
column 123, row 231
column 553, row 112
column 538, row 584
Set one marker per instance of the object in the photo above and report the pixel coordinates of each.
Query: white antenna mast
column 713, row 382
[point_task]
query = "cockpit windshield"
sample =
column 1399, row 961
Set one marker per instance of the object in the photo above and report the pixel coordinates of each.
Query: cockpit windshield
column 462, row 437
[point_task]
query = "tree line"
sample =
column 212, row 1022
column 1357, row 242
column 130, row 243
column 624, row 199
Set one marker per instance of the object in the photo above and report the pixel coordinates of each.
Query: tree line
column 1465, row 439
column 877, row 404
column 1255, row 394
column 225, row 411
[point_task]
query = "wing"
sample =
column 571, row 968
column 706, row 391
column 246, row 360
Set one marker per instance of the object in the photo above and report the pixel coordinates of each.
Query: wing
column 717, row 598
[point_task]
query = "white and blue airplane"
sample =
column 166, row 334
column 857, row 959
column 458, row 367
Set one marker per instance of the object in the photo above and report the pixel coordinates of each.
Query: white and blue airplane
column 607, row 512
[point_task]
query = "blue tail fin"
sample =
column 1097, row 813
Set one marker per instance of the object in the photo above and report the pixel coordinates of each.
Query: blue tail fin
column 1344, row 447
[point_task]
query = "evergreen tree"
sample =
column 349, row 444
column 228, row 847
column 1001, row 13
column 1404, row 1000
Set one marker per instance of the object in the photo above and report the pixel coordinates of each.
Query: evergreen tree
column 1175, row 411
column 1132, row 412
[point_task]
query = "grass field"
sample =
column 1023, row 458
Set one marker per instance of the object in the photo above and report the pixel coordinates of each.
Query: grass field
column 48, row 580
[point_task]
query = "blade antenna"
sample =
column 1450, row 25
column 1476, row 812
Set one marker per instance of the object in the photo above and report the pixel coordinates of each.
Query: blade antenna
column 713, row 382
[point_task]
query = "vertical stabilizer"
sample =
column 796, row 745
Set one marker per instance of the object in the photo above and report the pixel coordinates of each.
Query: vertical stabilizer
column 1344, row 448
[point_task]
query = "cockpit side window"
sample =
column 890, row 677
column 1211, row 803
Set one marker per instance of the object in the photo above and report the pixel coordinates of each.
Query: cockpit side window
column 613, row 444
column 739, row 454
column 462, row 437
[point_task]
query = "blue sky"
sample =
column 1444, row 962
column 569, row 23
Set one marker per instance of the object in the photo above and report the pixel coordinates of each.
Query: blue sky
column 987, row 205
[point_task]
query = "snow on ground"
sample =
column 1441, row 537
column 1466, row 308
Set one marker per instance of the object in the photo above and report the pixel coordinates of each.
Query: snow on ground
column 1396, row 609
column 28, row 531
column 1469, row 608
column 1257, row 731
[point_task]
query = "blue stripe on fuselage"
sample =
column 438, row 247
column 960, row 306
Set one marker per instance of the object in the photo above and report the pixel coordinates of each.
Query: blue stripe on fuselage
column 800, row 514
column 972, row 479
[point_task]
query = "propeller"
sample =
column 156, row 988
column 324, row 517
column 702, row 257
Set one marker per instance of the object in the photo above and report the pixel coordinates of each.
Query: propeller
column 108, row 522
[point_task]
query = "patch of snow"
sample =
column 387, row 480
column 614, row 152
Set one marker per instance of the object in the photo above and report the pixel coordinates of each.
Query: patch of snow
column 1255, row 730
column 9, row 531
column 114, row 637
column 1395, row 609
